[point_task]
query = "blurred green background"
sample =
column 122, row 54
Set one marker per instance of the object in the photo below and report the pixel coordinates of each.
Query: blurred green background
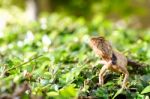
column 58, row 31
column 133, row 13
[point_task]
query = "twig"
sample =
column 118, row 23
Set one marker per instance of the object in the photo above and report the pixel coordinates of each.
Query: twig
column 24, row 63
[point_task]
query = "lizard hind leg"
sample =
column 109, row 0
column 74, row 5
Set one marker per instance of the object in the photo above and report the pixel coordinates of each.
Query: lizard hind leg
column 126, row 76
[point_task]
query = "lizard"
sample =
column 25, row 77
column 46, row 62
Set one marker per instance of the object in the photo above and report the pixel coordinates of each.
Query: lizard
column 111, row 59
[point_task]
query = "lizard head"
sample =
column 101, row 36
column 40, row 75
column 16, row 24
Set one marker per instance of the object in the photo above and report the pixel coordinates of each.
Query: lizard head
column 97, row 42
column 100, row 46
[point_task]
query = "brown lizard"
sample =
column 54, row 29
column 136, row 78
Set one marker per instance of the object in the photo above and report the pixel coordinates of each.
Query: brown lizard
column 112, row 59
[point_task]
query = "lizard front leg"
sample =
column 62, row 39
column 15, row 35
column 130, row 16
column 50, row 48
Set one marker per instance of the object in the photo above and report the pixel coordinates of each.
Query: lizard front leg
column 102, row 62
column 102, row 73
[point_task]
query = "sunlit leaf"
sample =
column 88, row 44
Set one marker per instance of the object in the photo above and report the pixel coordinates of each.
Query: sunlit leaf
column 52, row 94
column 146, row 90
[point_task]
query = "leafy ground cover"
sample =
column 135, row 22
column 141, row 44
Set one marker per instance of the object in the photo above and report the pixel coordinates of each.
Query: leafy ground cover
column 51, row 58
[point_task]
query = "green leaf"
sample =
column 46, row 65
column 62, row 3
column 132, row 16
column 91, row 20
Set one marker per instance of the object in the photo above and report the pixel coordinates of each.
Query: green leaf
column 52, row 93
column 146, row 90
column 68, row 91
column 117, row 93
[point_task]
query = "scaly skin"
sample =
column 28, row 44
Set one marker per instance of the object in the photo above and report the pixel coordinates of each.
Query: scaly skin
column 112, row 59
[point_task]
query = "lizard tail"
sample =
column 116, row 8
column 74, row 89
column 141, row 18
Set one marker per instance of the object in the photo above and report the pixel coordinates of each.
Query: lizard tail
column 135, row 63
